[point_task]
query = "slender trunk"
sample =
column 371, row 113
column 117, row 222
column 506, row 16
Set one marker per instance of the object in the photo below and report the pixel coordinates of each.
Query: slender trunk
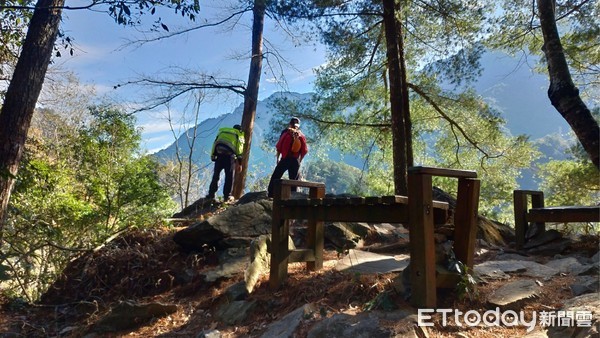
column 397, row 99
column 23, row 92
column 251, row 94
column 563, row 94
column 405, row 99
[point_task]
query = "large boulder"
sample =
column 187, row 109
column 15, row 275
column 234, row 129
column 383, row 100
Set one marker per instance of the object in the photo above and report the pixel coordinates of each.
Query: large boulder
column 247, row 220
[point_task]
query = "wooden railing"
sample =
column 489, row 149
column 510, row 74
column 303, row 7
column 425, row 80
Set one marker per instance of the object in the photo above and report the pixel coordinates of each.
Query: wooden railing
column 419, row 211
column 540, row 214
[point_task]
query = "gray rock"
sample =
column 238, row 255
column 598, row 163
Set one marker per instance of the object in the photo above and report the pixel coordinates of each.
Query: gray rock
column 362, row 325
column 236, row 292
column 195, row 236
column 253, row 197
column 514, row 257
column 585, row 284
column 590, row 303
column 564, row 265
column 286, row 326
column 369, row 262
column 342, row 236
column 359, row 228
column 586, row 270
column 260, row 260
column 235, row 312
column 538, row 270
column 209, row 334
column 514, row 294
column 596, row 258
column 231, row 267
column 498, row 269
column 245, row 220
column 251, row 219
column 128, row 314
column 543, row 238
column 501, row 269
column 552, row 248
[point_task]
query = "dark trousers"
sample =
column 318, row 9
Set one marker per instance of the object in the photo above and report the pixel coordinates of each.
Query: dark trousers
column 289, row 164
column 226, row 163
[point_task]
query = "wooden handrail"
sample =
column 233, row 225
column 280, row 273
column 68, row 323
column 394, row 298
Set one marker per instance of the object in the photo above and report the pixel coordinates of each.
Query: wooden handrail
column 433, row 171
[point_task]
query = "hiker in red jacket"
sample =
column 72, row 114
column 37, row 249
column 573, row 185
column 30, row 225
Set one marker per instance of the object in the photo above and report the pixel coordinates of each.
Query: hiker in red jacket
column 292, row 147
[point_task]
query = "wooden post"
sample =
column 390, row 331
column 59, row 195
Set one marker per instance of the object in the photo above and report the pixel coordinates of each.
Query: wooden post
column 422, row 245
column 520, row 210
column 465, row 220
column 316, row 234
column 537, row 201
column 279, row 238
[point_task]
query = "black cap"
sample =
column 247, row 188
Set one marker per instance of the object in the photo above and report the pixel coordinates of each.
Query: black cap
column 238, row 127
column 295, row 122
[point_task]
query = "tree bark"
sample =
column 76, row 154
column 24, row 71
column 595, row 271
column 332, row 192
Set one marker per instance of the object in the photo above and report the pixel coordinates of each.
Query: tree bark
column 563, row 94
column 23, row 92
column 251, row 94
column 401, row 130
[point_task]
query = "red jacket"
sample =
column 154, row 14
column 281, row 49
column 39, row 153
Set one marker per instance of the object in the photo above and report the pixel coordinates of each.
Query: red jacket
column 284, row 145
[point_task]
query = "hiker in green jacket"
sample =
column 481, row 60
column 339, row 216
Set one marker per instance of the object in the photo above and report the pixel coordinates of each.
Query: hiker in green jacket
column 227, row 155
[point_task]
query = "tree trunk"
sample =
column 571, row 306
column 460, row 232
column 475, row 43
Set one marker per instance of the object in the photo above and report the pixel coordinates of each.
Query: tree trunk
column 405, row 99
column 398, row 99
column 563, row 94
column 251, row 94
column 22, row 93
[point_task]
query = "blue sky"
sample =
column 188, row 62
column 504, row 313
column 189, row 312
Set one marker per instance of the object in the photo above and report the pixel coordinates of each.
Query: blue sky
column 103, row 59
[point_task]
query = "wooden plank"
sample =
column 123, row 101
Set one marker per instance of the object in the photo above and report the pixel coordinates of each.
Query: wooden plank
column 371, row 200
column 357, row 200
column 565, row 214
column 441, row 205
column 465, row 220
column 397, row 199
column 341, row 201
column 378, row 213
column 328, row 201
column 433, row 171
column 297, row 202
column 422, row 245
column 299, row 183
column 316, row 201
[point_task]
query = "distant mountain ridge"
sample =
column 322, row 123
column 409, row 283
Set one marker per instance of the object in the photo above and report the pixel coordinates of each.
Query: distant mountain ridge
column 517, row 92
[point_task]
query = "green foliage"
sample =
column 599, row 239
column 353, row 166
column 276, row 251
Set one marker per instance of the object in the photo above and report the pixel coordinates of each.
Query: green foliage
column 383, row 301
column 338, row 177
column 467, row 286
column 129, row 13
column 73, row 193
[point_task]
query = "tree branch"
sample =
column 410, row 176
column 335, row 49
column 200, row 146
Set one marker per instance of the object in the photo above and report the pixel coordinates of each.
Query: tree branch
column 447, row 118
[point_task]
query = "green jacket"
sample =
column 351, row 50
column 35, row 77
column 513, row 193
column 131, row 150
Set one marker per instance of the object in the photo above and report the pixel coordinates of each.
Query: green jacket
column 232, row 139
